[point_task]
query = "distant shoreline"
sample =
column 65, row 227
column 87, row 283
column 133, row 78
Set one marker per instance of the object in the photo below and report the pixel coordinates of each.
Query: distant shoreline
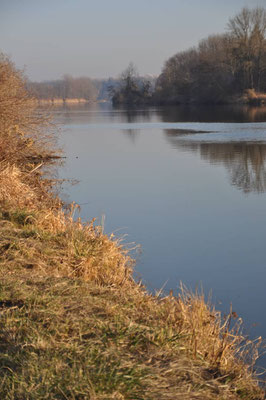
column 62, row 101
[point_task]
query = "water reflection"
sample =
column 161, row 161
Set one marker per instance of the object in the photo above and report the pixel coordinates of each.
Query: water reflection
column 220, row 113
column 196, row 113
column 134, row 115
column 245, row 161
column 131, row 134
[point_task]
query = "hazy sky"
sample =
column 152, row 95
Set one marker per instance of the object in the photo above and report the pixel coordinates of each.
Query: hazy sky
column 98, row 38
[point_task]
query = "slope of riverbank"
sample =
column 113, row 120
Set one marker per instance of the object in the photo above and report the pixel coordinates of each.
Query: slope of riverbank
column 74, row 324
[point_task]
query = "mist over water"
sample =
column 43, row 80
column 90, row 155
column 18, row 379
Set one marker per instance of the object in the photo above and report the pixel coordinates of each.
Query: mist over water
column 188, row 185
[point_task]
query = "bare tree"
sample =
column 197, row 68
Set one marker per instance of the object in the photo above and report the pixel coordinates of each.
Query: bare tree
column 248, row 32
column 132, row 89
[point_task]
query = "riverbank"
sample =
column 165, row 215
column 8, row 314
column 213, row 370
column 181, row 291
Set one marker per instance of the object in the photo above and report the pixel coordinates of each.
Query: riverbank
column 75, row 325
column 56, row 101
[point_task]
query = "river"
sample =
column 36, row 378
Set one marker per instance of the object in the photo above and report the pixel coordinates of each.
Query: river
column 188, row 185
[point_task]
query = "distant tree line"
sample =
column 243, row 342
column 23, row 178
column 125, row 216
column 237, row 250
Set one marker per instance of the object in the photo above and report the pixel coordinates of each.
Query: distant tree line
column 220, row 69
column 223, row 68
column 66, row 88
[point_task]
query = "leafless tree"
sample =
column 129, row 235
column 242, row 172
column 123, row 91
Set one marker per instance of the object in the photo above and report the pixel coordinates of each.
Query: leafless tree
column 248, row 38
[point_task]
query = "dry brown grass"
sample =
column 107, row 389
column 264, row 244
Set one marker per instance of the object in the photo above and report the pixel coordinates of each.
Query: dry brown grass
column 24, row 133
column 253, row 97
column 76, row 325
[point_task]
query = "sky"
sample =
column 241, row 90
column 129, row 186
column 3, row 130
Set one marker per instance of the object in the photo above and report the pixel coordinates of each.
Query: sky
column 98, row 38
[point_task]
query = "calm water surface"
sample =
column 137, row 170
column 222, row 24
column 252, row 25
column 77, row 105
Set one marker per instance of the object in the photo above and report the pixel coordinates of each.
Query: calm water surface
column 189, row 185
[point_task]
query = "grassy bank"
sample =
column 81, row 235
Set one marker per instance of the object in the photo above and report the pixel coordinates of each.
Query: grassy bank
column 74, row 324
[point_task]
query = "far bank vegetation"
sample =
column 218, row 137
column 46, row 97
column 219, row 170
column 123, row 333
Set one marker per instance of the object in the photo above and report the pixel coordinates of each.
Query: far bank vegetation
column 223, row 68
column 65, row 90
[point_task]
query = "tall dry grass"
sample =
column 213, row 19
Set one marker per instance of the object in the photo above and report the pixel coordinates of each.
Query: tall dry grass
column 27, row 144
column 24, row 134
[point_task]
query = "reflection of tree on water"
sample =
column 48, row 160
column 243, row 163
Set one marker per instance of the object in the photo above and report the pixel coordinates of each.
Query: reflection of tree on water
column 131, row 115
column 192, row 113
column 206, row 113
column 245, row 161
column 131, row 134
column 248, row 171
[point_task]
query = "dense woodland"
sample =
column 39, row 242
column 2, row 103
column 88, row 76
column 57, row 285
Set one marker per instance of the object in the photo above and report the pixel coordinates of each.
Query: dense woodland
column 229, row 67
column 222, row 68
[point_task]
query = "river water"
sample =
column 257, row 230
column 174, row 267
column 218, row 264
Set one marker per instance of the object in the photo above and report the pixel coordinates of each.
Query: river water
column 188, row 185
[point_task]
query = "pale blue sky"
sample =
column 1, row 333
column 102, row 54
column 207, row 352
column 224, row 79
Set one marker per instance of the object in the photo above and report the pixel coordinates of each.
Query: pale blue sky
column 99, row 38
